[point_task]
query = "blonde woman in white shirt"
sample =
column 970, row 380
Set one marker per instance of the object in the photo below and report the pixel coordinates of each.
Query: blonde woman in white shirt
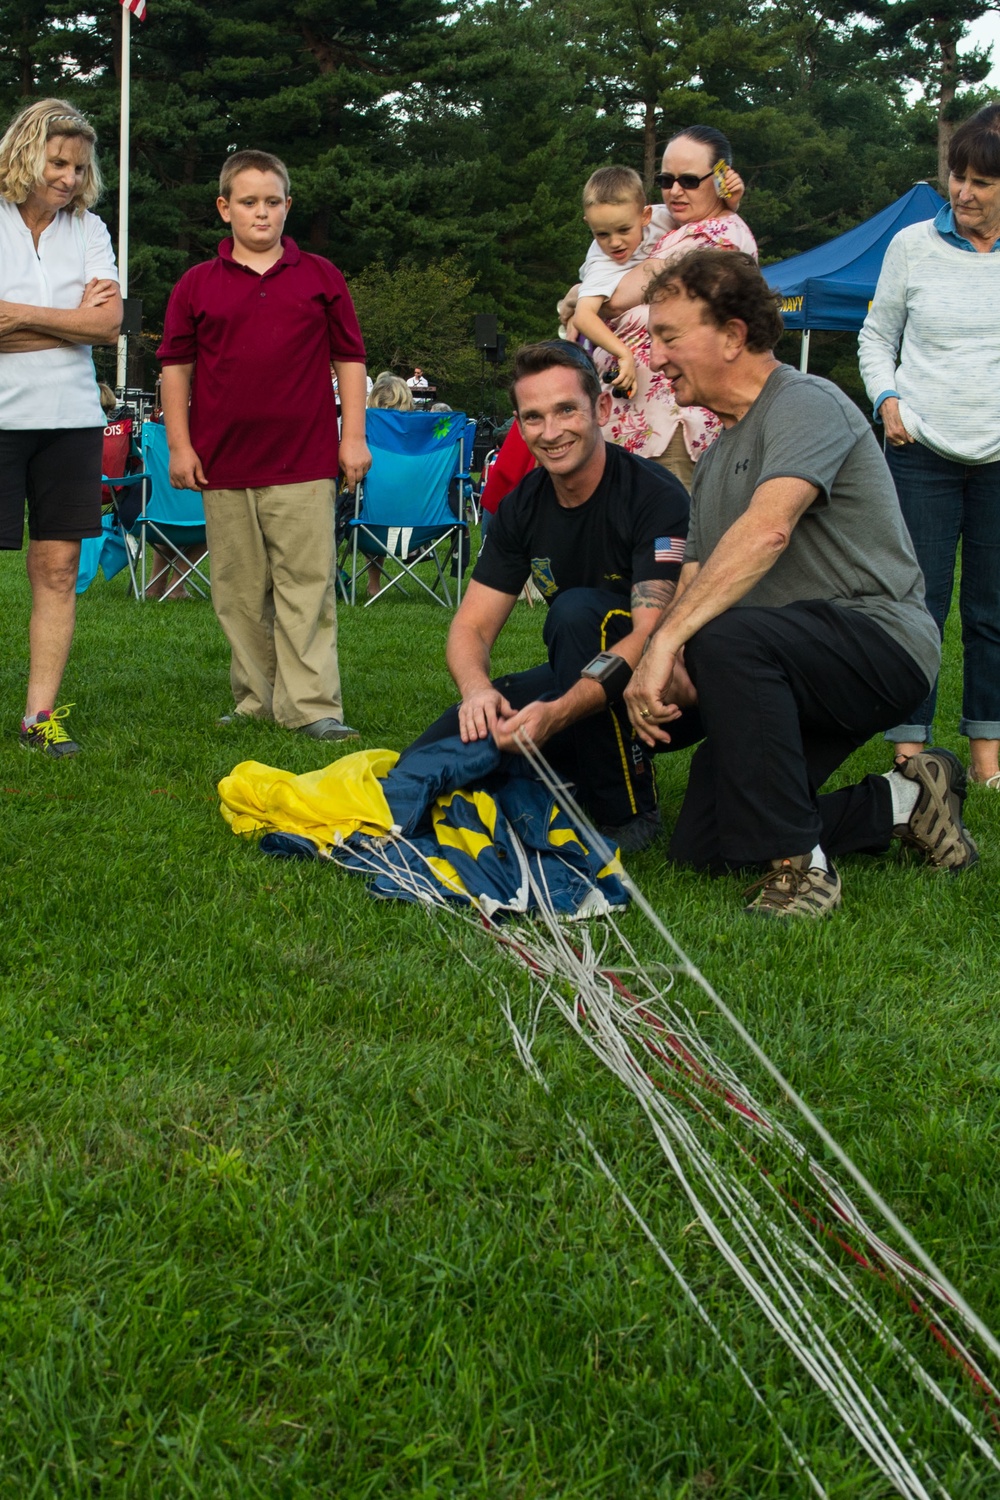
column 58, row 296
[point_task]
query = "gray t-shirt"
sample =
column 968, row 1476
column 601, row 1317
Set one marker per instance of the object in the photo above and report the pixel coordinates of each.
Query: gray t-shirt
column 851, row 546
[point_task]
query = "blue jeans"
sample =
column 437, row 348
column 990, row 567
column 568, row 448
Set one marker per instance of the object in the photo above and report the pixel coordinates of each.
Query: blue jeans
column 943, row 500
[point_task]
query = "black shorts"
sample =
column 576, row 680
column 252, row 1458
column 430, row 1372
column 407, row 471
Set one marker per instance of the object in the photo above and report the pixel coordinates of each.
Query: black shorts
column 58, row 472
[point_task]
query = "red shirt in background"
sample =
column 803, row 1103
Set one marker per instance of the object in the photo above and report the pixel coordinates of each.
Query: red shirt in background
column 512, row 463
column 262, row 406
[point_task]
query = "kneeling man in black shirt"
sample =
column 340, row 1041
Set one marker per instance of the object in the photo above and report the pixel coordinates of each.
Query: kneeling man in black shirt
column 601, row 533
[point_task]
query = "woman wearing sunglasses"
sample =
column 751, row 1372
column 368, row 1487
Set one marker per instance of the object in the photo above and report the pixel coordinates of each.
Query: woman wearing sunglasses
column 650, row 422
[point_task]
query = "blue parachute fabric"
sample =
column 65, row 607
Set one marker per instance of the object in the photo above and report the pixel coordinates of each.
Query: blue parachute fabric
column 420, row 775
column 569, row 868
column 289, row 846
column 469, row 825
column 474, row 822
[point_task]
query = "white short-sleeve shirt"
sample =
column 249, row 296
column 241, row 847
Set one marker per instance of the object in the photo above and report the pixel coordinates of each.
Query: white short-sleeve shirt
column 600, row 275
column 51, row 388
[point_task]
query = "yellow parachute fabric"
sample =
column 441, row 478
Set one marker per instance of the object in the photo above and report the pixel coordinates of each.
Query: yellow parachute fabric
column 345, row 797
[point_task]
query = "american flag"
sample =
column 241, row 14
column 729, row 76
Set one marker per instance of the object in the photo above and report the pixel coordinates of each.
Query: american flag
column 137, row 7
column 669, row 549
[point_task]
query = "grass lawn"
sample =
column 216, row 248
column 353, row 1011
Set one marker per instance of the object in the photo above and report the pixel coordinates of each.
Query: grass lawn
column 282, row 1213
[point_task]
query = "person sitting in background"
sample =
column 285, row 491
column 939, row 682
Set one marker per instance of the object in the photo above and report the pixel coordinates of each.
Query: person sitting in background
column 417, row 381
column 388, row 393
column 928, row 360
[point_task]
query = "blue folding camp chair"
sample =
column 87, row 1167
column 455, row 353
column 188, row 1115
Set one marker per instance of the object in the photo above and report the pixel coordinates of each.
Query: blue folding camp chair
column 411, row 508
column 123, row 473
column 465, row 482
column 169, row 521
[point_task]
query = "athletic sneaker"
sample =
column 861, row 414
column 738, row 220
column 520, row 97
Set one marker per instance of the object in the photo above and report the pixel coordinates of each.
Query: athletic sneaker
column 48, row 735
column 635, row 835
column 329, row 729
column 794, row 888
column 935, row 826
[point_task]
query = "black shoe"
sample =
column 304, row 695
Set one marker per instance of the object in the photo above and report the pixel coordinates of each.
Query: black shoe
column 635, row 835
column 935, row 826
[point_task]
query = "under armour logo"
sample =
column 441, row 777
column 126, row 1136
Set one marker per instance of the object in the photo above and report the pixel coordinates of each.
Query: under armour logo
column 741, row 468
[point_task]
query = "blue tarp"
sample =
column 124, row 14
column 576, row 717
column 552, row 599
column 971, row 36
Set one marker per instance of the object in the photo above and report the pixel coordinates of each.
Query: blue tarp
column 833, row 285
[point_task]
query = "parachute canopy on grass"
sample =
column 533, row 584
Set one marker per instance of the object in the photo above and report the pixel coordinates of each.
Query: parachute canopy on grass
column 832, row 286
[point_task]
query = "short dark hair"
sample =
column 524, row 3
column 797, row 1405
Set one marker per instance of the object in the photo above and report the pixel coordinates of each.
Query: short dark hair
column 532, row 359
column 730, row 285
column 976, row 144
column 251, row 161
column 708, row 136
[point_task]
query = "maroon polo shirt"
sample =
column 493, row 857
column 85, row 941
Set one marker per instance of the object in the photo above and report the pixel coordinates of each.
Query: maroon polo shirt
column 262, row 406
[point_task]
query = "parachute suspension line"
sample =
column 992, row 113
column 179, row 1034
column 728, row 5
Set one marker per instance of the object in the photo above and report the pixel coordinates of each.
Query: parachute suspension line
column 783, row 1265
column 570, row 806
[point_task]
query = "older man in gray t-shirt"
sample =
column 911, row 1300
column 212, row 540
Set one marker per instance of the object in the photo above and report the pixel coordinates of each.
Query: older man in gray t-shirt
column 799, row 627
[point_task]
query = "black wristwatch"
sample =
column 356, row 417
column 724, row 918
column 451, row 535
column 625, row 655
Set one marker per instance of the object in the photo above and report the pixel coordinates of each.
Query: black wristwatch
column 612, row 672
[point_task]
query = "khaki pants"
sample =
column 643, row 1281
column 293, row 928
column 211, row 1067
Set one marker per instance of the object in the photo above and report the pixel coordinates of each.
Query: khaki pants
column 274, row 591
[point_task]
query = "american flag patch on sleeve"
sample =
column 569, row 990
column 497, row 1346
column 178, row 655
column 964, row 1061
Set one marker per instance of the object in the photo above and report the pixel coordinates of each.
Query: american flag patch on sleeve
column 669, row 549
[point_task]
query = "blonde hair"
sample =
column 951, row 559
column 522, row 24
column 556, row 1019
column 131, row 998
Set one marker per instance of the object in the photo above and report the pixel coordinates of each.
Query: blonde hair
column 391, row 393
column 614, row 185
column 251, row 161
column 22, row 151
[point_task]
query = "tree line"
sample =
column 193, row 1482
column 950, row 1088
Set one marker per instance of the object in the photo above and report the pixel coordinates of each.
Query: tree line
column 438, row 147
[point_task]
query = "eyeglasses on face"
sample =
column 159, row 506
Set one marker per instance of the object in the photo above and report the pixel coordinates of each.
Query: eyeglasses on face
column 686, row 180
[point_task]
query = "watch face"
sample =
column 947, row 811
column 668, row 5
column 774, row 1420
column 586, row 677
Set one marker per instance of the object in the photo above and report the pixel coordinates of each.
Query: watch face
column 601, row 665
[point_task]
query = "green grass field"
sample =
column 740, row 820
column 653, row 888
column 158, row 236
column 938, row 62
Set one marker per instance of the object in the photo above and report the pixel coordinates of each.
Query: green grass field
column 282, row 1213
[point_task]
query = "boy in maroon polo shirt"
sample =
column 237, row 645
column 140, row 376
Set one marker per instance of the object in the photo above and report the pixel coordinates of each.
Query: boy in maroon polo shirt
column 249, row 410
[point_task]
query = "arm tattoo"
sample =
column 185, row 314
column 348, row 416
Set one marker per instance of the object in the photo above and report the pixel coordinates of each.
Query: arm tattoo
column 653, row 593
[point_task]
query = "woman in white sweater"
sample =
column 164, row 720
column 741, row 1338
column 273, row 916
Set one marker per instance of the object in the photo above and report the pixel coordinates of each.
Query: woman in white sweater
column 930, row 360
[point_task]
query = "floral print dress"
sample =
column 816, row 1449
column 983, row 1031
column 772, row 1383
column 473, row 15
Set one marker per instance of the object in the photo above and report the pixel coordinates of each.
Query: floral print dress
column 646, row 423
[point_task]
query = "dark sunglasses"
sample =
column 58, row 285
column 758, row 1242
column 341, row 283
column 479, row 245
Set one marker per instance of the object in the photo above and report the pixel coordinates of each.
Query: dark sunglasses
column 687, row 180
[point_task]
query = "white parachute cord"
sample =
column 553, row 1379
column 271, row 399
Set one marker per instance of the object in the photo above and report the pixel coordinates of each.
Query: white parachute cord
column 569, row 805
column 797, row 1327
column 868, row 1429
column 822, row 1264
column 522, row 1046
column 553, row 961
column 912, row 1277
column 527, row 949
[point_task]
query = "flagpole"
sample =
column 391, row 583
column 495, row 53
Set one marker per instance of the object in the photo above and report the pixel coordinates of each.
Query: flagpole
column 123, row 160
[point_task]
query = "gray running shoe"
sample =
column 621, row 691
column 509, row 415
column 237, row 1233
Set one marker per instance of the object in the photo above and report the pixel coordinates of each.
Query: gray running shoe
column 935, row 826
column 794, row 888
column 329, row 729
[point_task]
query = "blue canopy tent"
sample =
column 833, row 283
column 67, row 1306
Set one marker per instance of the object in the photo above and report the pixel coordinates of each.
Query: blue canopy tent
column 833, row 285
